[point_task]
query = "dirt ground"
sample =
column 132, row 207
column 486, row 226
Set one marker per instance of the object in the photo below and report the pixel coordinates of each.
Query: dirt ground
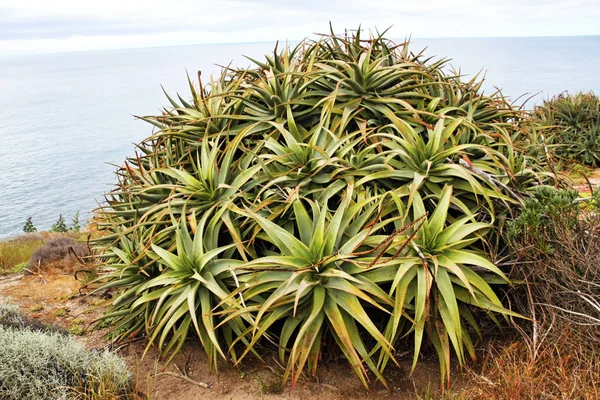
column 582, row 185
column 54, row 297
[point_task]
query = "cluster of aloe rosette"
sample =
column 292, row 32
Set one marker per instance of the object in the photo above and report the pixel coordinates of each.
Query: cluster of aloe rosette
column 571, row 126
column 342, row 190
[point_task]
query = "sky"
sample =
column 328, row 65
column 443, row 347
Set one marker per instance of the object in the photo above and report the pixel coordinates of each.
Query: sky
column 32, row 26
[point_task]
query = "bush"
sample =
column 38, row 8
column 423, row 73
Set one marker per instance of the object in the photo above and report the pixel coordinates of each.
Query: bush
column 59, row 226
column 10, row 317
column 341, row 190
column 534, row 230
column 29, row 227
column 573, row 126
column 556, row 246
column 59, row 248
column 43, row 365
column 76, row 227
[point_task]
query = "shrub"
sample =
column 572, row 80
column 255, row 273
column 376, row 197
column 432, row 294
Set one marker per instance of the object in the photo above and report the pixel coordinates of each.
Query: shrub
column 556, row 246
column 534, row 230
column 59, row 226
column 59, row 248
column 43, row 365
column 76, row 224
column 340, row 190
column 573, row 122
column 29, row 227
column 10, row 317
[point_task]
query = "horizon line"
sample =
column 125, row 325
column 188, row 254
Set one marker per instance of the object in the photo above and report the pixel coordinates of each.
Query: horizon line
column 408, row 38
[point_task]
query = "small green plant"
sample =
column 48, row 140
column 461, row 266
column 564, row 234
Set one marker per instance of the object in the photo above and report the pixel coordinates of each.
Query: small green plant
column 37, row 307
column 61, row 312
column 97, row 302
column 67, row 296
column 29, row 227
column 17, row 268
column 76, row 226
column 548, row 212
column 272, row 385
column 60, row 225
column 77, row 327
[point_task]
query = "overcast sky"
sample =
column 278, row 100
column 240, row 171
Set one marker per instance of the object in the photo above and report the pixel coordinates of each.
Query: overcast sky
column 71, row 25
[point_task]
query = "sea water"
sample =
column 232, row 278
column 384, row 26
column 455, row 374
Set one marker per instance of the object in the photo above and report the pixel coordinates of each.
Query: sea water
column 65, row 119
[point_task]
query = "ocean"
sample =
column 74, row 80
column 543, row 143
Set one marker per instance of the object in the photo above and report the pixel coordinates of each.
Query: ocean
column 66, row 119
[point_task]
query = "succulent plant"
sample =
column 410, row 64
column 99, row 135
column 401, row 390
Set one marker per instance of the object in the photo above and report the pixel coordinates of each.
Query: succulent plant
column 339, row 190
column 571, row 123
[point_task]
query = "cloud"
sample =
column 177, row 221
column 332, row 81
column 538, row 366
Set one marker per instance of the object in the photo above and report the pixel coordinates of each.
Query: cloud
column 59, row 25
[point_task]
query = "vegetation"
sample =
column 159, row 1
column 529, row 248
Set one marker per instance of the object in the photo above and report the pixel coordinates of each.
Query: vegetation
column 339, row 191
column 10, row 317
column 559, row 233
column 59, row 225
column 29, row 227
column 564, row 250
column 555, row 246
column 551, row 370
column 41, row 364
column 15, row 253
column 343, row 193
column 61, row 312
column 56, row 249
column 77, row 327
column 573, row 126
column 76, row 226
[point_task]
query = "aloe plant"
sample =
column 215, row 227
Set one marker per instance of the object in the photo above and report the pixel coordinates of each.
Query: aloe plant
column 315, row 283
column 340, row 190
column 571, row 124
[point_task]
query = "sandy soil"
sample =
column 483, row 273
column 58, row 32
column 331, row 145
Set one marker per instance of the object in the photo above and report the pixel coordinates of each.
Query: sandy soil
column 581, row 185
column 53, row 297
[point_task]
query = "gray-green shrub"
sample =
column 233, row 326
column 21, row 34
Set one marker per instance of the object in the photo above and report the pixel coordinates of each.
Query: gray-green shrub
column 11, row 318
column 45, row 365
column 9, row 315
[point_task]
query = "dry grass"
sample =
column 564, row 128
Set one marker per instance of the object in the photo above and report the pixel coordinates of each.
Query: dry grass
column 16, row 252
column 554, row 370
column 557, row 356
column 562, row 286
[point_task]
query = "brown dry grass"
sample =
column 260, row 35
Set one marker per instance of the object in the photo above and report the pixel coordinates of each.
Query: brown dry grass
column 557, row 355
column 555, row 370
